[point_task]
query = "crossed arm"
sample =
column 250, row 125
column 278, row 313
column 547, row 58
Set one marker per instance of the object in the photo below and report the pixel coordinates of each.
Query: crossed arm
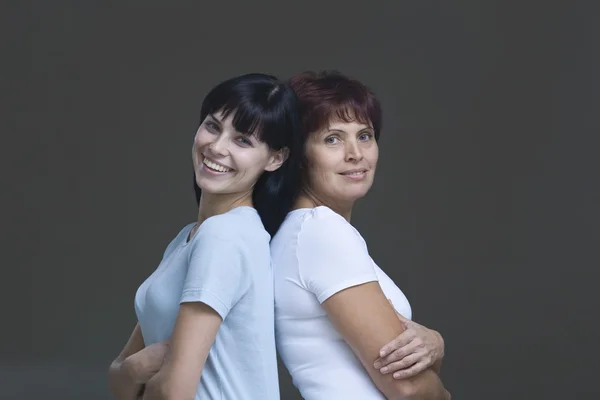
column 411, row 352
column 124, row 377
column 194, row 333
column 367, row 321
column 169, row 369
column 332, row 256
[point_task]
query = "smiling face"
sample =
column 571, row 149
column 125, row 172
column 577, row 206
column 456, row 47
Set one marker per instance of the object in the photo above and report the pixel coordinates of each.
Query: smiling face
column 227, row 161
column 342, row 159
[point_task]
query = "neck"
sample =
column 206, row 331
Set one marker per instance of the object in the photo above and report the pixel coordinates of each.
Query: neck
column 215, row 204
column 307, row 199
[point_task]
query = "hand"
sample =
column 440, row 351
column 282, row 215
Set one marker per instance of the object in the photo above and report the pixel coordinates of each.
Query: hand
column 413, row 351
column 155, row 388
column 144, row 364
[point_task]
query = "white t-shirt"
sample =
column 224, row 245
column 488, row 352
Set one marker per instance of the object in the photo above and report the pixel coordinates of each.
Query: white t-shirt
column 227, row 266
column 317, row 253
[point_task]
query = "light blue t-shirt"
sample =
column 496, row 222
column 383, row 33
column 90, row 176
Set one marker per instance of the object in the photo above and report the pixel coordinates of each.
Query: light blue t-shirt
column 226, row 265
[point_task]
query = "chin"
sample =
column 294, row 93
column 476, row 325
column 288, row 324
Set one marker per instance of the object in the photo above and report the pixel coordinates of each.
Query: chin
column 208, row 187
column 348, row 196
column 357, row 197
column 357, row 194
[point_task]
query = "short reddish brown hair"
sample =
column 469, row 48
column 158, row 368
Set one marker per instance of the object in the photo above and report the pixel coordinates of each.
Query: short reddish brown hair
column 330, row 95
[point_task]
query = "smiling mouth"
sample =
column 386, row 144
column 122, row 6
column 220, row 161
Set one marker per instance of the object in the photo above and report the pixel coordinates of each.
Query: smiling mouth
column 214, row 166
column 355, row 172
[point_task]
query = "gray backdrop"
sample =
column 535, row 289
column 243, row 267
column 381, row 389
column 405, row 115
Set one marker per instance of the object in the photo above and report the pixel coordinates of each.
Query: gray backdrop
column 484, row 209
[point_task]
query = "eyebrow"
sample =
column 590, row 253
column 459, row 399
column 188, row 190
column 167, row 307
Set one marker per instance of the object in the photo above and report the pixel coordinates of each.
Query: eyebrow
column 366, row 128
column 246, row 134
column 212, row 116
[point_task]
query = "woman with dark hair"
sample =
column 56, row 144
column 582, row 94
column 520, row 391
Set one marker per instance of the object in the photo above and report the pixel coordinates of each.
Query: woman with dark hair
column 205, row 315
column 337, row 329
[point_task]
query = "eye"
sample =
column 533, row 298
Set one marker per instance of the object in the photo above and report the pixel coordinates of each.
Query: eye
column 365, row 137
column 244, row 141
column 212, row 126
column 331, row 140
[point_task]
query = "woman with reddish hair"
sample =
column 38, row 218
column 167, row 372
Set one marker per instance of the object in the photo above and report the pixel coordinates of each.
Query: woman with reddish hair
column 343, row 327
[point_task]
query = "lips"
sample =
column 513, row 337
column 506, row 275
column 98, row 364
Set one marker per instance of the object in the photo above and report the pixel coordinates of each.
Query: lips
column 354, row 172
column 215, row 166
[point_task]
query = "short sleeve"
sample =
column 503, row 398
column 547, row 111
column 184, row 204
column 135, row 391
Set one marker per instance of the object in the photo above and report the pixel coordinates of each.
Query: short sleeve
column 332, row 256
column 217, row 274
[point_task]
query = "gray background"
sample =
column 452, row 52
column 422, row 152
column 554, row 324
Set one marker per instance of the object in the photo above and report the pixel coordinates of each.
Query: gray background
column 484, row 209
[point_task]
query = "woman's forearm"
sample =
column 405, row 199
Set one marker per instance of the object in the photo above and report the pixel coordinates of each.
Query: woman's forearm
column 426, row 386
column 122, row 381
column 437, row 366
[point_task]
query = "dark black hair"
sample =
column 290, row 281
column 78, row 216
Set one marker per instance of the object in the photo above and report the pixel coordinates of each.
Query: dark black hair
column 264, row 105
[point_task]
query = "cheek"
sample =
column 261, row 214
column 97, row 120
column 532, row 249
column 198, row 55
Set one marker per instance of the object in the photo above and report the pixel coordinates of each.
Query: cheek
column 196, row 144
column 200, row 140
column 372, row 155
column 195, row 148
column 322, row 166
column 252, row 162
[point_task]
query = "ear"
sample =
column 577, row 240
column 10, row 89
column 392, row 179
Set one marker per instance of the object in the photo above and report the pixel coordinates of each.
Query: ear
column 277, row 159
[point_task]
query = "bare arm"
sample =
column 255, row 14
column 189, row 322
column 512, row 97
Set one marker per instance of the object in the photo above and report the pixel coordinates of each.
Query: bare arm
column 367, row 321
column 120, row 376
column 437, row 366
column 193, row 335
column 415, row 350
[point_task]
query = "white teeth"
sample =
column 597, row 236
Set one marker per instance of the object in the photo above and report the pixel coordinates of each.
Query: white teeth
column 215, row 166
column 355, row 173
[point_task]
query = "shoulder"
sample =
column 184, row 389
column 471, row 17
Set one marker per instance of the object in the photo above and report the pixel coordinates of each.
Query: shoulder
column 331, row 254
column 183, row 233
column 181, row 236
column 324, row 227
column 239, row 224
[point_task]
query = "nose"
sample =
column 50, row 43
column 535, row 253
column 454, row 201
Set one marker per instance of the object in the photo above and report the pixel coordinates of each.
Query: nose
column 353, row 152
column 219, row 146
